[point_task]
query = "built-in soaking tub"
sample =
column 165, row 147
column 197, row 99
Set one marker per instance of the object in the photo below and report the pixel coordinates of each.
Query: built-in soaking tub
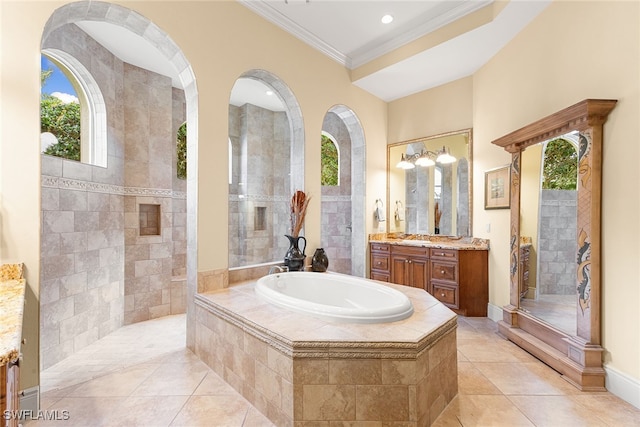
column 299, row 369
column 335, row 297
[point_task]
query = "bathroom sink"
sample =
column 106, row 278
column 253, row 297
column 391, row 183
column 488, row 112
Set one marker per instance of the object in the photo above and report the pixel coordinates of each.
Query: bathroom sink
column 415, row 242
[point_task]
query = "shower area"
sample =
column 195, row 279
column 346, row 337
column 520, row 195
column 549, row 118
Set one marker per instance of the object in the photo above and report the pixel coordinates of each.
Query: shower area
column 113, row 240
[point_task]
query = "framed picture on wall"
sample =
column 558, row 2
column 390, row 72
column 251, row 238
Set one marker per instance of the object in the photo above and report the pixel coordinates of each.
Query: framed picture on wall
column 497, row 185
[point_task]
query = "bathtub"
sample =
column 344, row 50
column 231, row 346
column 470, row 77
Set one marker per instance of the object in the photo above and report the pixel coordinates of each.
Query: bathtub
column 332, row 296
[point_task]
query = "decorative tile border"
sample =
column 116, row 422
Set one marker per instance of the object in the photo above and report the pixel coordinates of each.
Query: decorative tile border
column 96, row 187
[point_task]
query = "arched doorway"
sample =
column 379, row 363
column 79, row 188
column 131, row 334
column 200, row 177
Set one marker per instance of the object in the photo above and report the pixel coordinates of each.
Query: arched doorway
column 266, row 166
column 342, row 206
column 88, row 251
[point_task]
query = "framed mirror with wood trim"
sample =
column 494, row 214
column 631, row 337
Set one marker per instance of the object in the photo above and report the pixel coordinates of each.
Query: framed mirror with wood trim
column 554, row 306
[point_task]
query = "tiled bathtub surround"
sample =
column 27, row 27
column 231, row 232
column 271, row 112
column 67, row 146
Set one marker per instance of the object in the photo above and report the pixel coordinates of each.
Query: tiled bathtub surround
column 302, row 370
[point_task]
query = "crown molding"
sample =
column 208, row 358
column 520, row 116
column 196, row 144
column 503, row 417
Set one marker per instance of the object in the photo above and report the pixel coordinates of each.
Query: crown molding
column 272, row 15
column 372, row 50
column 380, row 47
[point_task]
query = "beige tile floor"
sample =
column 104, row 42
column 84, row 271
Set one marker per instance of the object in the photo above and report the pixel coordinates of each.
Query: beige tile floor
column 142, row 375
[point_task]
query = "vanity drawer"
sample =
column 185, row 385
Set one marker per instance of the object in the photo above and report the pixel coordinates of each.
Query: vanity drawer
column 379, row 247
column 447, row 295
column 410, row 251
column 450, row 254
column 445, row 271
column 380, row 262
column 382, row 277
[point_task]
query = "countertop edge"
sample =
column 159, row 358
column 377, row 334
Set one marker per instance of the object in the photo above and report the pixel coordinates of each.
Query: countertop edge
column 12, row 293
column 434, row 245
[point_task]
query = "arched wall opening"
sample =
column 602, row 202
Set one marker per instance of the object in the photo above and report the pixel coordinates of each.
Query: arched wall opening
column 266, row 164
column 343, row 233
column 115, row 239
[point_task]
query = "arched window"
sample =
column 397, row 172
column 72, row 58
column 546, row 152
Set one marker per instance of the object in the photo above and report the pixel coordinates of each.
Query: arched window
column 329, row 161
column 560, row 170
column 84, row 125
column 181, row 148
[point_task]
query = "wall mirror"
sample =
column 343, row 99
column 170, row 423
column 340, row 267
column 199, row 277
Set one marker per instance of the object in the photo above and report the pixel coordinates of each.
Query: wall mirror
column 554, row 309
column 548, row 229
column 429, row 185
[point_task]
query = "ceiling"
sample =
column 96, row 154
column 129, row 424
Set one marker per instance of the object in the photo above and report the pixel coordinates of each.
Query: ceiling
column 390, row 61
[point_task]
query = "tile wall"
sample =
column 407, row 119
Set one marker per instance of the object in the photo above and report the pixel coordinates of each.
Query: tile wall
column 557, row 242
column 261, row 155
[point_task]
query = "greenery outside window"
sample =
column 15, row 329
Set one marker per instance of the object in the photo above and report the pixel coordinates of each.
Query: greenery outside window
column 560, row 170
column 73, row 122
column 182, row 151
column 330, row 161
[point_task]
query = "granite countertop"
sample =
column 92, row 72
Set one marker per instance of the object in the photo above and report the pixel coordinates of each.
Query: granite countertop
column 432, row 241
column 12, row 288
column 526, row 241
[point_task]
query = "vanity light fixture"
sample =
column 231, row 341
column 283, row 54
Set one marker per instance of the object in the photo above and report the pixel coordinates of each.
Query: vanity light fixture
column 426, row 159
column 406, row 162
column 445, row 157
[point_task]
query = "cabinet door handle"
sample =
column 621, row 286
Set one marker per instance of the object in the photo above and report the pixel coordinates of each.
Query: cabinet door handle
column 442, row 294
column 441, row 271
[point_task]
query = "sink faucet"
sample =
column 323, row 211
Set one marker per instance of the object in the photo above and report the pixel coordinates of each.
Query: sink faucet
column 278, row 268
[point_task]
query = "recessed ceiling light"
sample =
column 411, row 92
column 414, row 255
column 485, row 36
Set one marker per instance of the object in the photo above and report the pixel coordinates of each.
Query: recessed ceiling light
column 269, row 92
column 386, row 19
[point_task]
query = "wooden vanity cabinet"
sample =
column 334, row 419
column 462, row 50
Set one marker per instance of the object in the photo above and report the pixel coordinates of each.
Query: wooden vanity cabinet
column 9, row 393
column 410, row 266
column 443, row 282
column 380, row 262
column 459, row 278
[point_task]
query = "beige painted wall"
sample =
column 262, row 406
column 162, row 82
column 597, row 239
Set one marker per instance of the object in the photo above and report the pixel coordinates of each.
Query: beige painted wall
column 530, row 180
column 443, row 109
column 570, row 52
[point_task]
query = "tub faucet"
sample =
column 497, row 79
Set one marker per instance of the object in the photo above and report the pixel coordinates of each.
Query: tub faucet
column 278, row 268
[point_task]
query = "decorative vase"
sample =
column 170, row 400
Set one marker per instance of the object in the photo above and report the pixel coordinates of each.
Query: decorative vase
column 319, row 262
column 294, row 258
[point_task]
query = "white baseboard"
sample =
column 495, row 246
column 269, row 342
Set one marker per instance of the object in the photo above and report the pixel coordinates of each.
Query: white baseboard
column 617, row 383
column 30, row 399
column 623, row 386
column 494, row 312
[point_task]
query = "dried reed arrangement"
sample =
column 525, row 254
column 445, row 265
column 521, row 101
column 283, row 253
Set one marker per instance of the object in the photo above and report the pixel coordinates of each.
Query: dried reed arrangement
column 438, row 214
column 299, row 203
